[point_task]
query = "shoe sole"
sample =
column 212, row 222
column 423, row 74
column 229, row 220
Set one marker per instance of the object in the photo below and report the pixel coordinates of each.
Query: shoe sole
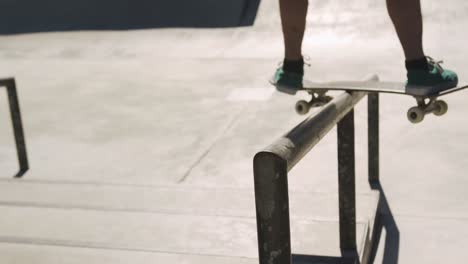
column 431, row 90
column 284, row 88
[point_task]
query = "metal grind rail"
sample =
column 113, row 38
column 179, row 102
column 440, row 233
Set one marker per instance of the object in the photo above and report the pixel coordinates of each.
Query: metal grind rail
column 15, row 113
column 271, row 167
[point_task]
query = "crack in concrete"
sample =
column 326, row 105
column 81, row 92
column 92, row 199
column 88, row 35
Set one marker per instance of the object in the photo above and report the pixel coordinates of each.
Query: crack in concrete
column 211, row 146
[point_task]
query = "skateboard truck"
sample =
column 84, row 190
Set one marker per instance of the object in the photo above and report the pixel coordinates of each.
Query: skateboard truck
column 426, row 105
column 319, row 98
column 437, row 107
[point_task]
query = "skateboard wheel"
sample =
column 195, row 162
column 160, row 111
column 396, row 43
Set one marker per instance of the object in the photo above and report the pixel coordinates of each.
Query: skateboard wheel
column 441, row 108
column 415, row 115
column 302, row 107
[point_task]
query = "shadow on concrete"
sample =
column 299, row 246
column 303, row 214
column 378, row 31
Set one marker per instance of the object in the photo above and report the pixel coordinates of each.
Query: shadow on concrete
column 21, row 173
column 346, row 258
column 26, row 16
column 392, row 237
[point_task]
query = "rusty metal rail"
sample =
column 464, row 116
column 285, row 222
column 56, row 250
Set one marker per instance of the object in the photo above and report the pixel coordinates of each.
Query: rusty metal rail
column 15, row 113
column 271, row 167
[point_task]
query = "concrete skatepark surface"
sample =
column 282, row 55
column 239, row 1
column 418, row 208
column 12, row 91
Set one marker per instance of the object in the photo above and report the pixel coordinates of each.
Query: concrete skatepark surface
column 141, row 142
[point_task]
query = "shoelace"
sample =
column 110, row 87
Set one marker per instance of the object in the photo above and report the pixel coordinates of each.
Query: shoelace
column 306, row 60
column 435, row 64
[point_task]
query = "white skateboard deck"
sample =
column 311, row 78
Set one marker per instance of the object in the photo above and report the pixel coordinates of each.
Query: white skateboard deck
column 426, row 96
column 381, row 87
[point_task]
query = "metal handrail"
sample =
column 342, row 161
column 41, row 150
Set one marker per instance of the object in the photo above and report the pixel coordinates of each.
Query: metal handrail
column 301, row 139
column 271, row 167
column 15, row 113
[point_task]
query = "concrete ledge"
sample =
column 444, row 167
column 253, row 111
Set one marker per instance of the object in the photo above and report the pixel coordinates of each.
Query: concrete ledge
column 94, row 224
column 46, row 254
column 233, row 202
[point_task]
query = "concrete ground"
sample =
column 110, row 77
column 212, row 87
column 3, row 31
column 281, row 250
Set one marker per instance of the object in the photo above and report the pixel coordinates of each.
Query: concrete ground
column 141, row 142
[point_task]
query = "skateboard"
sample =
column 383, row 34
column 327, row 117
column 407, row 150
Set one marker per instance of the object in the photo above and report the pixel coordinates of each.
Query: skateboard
column 426, row 97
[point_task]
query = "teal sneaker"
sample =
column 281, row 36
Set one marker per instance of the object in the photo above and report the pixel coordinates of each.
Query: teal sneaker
column 435, row 80
column 287, row 82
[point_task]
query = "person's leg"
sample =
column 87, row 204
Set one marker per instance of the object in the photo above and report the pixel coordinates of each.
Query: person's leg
column 293, row 20
column 288, row 78
column 407, row 19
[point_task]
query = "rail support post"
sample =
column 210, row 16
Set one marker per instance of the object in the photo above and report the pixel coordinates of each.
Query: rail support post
column 17, row 125
column 272, row 206
column 373, row 137
column 346, row 183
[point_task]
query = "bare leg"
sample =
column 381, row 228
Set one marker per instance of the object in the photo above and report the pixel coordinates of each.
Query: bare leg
column 293, row 19
column 407, row 19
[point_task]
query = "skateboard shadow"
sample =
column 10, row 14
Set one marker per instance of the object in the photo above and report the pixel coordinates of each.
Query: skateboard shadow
column 385, row 220
column 25, row 16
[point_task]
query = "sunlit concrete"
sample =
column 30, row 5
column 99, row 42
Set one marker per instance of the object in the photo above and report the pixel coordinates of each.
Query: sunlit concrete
column 131, row 131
